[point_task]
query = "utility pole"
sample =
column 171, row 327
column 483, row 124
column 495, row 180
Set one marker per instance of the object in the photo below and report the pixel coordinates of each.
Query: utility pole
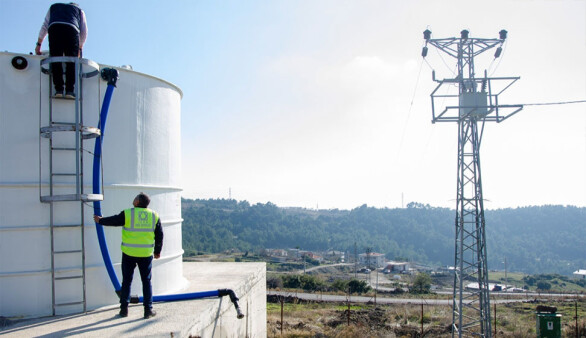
column 368, row 257
column 477, row 102
column 368, row 264
column 355, row 261
column 506, row 279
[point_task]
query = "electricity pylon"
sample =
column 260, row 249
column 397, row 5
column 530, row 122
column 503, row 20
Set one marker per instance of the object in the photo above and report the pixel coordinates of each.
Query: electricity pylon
column 477, row 102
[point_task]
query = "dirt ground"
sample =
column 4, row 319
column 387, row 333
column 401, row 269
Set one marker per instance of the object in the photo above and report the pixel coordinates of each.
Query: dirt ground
column 395, row 321
column 327, row 320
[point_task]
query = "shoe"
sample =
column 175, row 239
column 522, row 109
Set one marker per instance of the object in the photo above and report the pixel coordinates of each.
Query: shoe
column 70, row 95
column 123, row 312
column 149, row 313
column 58, row 94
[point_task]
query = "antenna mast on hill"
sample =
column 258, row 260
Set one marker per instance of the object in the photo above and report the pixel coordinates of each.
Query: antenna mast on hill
column 477, row 102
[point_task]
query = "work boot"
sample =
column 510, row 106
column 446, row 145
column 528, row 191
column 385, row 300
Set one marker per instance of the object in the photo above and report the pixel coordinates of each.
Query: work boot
column 70, row 95
column 148, row 313
column 123, row 312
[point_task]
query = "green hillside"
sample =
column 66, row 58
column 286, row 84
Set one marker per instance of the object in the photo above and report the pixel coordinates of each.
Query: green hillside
column 534, row 240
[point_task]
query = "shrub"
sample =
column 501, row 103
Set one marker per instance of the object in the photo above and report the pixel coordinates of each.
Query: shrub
column 274, row 283
column 358, row 286
column 305, row 282
column 421, row 283
column 543, row 285
column 340, row 285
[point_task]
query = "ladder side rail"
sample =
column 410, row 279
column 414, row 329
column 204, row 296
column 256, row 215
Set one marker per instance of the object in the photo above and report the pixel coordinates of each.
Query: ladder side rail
column 51, row 206
column 79, row 138
column 78, row 130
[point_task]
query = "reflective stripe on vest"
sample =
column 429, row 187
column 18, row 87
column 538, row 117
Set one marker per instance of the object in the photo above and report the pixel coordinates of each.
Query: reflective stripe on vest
column 138, row 233
column 138, row 245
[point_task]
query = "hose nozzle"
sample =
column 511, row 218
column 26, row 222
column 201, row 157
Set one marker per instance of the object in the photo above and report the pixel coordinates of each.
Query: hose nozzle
column 234, row 299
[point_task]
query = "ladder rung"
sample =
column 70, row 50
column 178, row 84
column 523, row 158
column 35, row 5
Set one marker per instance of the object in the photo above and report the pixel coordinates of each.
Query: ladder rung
column 68, row 277
column 66, row 251
column 57, row 124
column 72, row 197
column 63, row 148
column 64, row 174
column 63, row 98
column 67, row 226
column 70, row 303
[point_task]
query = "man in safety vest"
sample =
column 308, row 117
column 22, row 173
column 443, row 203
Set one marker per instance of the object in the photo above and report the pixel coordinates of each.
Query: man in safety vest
column 142, row 238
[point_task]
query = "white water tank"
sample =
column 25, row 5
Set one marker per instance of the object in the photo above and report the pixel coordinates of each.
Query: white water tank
column 141, row 152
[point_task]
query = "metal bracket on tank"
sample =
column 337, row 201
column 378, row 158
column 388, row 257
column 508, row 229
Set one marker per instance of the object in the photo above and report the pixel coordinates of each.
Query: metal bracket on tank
column 87, row 132
column 88, row 67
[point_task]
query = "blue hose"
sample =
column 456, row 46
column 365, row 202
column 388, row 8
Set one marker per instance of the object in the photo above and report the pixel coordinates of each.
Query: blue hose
column 111, row 75
column 97, row 186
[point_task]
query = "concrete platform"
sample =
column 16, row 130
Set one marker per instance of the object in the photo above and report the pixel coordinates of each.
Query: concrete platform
column 211, row 317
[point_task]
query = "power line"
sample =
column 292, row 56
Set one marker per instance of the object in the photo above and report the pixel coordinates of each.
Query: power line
column 554, row 103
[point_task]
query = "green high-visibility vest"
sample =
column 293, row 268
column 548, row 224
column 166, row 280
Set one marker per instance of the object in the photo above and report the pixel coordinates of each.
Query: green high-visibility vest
column 138, row 233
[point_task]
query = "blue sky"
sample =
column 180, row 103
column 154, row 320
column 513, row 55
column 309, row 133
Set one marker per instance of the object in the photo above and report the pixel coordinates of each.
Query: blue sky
column 326, row 103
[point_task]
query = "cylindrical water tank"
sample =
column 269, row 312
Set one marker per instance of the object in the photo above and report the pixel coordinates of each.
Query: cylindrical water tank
column 141, row 152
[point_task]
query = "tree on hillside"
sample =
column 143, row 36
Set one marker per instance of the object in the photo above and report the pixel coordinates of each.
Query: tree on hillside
column 543, row 285
column 358, row 286
column 421, row 283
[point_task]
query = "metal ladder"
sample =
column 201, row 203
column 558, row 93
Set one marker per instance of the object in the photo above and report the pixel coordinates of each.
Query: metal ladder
column 66, row 133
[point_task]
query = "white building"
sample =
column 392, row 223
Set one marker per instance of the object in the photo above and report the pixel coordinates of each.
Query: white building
column 580, row 273
column 397, row 267
column 372, row 259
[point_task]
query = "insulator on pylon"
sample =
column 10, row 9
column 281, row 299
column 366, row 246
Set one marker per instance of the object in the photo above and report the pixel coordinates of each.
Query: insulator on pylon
column 503, row 34
column 424, row 52
column 427, row 34
column 498, row 52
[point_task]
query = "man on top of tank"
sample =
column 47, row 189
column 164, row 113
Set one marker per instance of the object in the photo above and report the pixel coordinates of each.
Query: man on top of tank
column 67, row 29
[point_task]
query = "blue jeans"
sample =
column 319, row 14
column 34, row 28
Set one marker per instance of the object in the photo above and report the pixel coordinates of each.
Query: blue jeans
column 144, row 267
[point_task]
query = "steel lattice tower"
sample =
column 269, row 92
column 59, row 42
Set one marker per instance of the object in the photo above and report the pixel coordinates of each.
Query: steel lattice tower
column 476, row 103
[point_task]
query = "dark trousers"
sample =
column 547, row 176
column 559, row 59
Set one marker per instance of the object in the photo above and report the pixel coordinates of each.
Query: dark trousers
column 63, row 41
column 144, row 267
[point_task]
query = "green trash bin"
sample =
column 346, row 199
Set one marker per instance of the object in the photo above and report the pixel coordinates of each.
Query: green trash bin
column 549, row 325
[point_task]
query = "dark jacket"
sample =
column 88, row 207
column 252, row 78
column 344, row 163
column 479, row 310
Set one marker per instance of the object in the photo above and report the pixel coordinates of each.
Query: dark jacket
column 66, row 14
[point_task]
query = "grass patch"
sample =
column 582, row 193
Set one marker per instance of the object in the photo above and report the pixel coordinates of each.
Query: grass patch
column 405, row 320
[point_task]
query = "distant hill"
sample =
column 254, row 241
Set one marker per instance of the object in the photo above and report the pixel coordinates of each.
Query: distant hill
column 534, row 240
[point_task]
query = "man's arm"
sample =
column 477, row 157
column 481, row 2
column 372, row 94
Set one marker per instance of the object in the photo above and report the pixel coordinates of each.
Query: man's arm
column 82, row 30
column 116, row 220
column 158, row 239
column 43, row 32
